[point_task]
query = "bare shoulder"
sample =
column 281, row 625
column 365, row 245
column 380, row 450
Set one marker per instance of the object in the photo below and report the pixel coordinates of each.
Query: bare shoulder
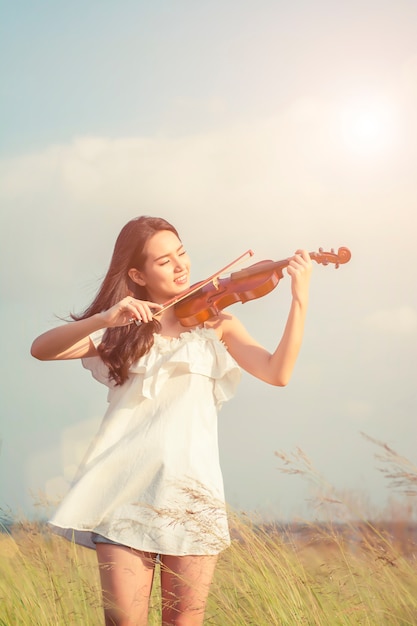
column 246, row 351
column 229, row 328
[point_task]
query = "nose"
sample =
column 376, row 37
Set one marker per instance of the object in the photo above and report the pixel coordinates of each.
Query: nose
column 180, row 264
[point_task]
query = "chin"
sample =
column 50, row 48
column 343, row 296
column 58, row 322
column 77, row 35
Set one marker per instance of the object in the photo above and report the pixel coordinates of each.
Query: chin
column 183, row 287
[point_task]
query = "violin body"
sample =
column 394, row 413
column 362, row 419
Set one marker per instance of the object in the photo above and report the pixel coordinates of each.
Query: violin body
column 251, row 283
column 208, row 301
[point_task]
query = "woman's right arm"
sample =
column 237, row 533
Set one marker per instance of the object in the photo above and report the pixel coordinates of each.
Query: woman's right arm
column 72, row 341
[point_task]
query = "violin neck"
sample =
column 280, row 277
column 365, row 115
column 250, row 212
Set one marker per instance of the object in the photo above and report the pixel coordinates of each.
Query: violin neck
column 261, row 267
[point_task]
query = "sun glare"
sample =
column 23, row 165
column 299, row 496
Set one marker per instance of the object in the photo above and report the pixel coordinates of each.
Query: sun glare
column 368, row 126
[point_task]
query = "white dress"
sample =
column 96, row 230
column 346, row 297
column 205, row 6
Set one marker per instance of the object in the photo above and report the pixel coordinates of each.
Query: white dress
column 151, row 479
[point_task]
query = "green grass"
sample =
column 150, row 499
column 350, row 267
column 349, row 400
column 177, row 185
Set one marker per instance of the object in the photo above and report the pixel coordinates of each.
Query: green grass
column 341, row 573
column 321, row 579
column 266, row 577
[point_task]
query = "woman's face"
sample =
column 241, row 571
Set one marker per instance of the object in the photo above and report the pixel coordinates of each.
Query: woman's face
column 166, row 272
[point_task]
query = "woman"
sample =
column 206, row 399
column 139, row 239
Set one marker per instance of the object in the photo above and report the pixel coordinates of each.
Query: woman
column 150, row 487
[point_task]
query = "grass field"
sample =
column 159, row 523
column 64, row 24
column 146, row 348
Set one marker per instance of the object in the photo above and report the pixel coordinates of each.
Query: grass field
column 322, row 574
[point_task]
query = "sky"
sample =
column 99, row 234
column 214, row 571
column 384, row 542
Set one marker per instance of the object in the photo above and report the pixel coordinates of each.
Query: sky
column 269, row 126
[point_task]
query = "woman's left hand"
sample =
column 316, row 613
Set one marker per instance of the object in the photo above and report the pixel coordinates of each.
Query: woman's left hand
column 299, row 269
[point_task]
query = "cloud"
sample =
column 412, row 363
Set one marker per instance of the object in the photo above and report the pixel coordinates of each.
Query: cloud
column 249, row 182
column 289, row 155
column 402, row 320
column 283, row 166
column 268, row 155
column 271, row 184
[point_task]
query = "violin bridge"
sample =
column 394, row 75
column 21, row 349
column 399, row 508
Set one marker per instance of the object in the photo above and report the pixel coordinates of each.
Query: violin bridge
column 216, row 282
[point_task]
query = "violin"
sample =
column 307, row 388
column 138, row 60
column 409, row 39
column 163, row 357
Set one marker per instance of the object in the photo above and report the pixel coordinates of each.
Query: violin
column 207, row 298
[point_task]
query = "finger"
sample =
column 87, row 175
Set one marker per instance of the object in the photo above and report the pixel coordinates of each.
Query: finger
column 155, row 305
column 148, row 310
column 143, row 311
column 297, row 266
column 295, row 263
column 130, row 311
column 301, row 260
column 304, row 255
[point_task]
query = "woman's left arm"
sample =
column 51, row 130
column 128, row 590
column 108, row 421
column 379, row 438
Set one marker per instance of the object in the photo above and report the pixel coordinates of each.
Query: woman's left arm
column 274, row 368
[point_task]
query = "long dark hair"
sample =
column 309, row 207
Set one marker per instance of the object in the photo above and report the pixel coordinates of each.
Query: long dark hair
column 123, row 345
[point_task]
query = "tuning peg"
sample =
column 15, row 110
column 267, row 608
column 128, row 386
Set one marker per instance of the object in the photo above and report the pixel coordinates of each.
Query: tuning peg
column 324, row 261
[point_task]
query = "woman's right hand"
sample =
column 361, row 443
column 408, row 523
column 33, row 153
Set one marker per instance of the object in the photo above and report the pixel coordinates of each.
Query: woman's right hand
column 72, row 341
column 129, row 310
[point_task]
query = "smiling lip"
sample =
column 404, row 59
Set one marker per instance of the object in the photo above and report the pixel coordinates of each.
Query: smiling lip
column 181, row 280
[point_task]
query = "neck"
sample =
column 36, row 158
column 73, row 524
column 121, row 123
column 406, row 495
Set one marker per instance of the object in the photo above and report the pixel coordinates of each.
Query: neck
column 170, row 325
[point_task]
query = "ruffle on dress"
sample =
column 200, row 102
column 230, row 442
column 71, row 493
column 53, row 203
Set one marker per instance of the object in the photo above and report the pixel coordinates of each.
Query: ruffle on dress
column 198, row 351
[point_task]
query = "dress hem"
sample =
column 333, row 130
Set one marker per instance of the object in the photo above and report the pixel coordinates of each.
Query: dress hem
column 84, row 538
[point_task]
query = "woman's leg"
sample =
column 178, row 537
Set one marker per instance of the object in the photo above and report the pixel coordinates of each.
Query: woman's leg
column 185, row 585
column 126, row 581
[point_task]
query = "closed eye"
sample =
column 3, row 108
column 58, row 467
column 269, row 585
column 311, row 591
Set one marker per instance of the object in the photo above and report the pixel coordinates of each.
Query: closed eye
column 164, row 260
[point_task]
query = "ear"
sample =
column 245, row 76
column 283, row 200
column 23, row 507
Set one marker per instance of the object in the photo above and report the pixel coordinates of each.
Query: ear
column 135, row 275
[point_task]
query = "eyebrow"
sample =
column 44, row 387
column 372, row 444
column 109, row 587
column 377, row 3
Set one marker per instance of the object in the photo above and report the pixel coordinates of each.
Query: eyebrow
column 163, row 256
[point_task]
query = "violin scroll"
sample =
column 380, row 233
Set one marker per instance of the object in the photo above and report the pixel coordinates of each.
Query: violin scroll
column 342, row 256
